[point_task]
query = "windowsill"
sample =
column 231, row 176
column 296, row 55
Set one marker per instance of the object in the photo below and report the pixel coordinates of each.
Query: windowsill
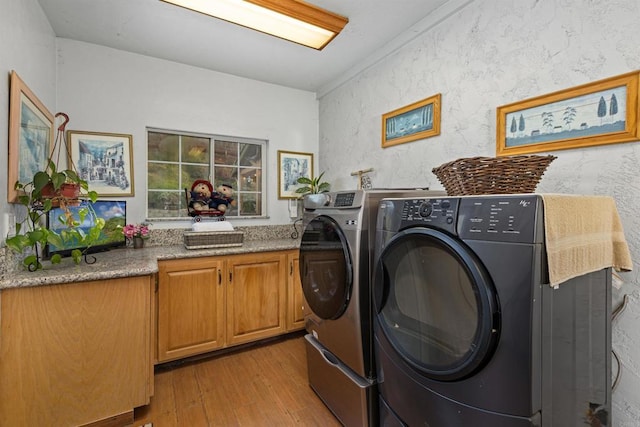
column 190, row 219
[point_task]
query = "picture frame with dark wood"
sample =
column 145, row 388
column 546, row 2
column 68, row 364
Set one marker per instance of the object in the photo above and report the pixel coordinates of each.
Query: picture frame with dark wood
column 31, row 136
column 291, row 166
column 419, row 120
column 104, row 160
column 597, row 113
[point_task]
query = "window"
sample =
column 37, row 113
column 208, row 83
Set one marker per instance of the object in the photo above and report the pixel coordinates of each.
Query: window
column 175, row 160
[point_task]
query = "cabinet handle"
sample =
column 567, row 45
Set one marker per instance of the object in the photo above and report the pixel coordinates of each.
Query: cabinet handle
column 291, row 268
column 219, row 277
column 230, row 276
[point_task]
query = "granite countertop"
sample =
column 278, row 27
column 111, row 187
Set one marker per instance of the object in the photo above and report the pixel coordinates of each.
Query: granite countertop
column 131, row 262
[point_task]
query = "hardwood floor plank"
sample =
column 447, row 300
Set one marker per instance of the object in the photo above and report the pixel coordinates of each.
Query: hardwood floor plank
column 263, row 385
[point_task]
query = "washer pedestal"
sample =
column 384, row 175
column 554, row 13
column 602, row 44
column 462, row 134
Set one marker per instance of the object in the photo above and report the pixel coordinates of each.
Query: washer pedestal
column 346, row 394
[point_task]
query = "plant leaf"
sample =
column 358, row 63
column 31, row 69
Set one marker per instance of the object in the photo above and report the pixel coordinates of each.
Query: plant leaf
column 324, row 187
column 93, row 196
column 40, row 179
column 32, row 260
column 76, row 254
column 306, row 189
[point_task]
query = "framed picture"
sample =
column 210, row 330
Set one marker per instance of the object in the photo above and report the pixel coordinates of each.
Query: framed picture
column 416, row 121
column 291, row 166
column 602, row 112
column 104, row 160
column 30, row 135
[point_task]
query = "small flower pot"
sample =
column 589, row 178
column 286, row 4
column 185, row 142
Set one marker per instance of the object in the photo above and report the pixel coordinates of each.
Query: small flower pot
column 138, row 243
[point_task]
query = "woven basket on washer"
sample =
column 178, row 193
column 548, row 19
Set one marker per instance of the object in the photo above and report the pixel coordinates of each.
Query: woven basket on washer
column 492, row 175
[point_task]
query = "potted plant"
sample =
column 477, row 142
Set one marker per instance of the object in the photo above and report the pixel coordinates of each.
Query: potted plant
column 48, row 189
column 312, row 186
column 137, row 234
column 32, row 232
column 312, row 190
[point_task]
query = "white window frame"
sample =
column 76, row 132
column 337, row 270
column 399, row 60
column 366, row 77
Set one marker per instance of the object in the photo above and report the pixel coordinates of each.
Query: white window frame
column 213, row 138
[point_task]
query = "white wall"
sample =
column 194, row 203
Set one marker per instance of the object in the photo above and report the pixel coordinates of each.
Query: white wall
column 492, row 53
column 27, row 45
column 107, row 90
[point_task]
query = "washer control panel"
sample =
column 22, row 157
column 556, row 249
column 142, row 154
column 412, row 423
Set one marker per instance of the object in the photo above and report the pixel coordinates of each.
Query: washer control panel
column 344, row 200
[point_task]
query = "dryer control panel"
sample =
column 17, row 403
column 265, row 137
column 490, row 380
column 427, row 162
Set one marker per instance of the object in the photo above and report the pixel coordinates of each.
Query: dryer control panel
column 437, row 213
column 509, row 218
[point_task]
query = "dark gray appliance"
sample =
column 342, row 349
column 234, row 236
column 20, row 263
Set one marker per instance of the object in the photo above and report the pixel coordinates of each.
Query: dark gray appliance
column 467, row 331
column 335, row 258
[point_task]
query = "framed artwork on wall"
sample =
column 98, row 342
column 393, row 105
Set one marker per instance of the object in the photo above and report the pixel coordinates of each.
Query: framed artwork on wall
column 30, row 135
column 291, row 166
column 602, row 112
column 415, row 121
column 104, row 160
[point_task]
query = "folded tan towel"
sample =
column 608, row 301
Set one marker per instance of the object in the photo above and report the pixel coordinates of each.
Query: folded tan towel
column 583, row 234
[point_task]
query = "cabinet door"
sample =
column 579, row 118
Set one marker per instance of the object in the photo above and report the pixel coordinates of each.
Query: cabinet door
column 75, row 353
column 295, row 297
column 256, row 296
column 190, row 307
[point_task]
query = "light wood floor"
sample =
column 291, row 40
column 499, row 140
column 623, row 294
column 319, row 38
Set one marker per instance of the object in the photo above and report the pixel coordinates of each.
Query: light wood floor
column 264, row 385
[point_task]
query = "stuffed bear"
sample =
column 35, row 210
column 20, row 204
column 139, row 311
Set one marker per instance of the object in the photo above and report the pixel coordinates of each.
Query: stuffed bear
column 222, row 197
column 201, row 192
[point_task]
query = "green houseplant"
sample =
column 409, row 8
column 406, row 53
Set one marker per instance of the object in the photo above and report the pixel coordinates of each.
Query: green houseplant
column 48, row 189
column 312, row 186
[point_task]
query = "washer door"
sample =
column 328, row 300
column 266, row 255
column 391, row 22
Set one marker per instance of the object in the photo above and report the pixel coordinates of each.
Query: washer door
column 436, row 304
column 325, row 268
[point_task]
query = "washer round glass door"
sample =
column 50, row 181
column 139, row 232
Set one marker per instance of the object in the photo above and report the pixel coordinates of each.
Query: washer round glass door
column 436, row 304
column 325, row 268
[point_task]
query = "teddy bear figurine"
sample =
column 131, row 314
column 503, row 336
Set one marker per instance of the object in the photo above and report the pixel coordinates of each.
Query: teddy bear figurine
column 201, row 192
column 222, row 198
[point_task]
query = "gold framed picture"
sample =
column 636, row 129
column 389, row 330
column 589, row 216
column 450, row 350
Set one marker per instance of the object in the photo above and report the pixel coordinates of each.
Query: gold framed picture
column 415, row 121
column 30, row 135
column 291, row 166
column 602, row 112
column 104, row 160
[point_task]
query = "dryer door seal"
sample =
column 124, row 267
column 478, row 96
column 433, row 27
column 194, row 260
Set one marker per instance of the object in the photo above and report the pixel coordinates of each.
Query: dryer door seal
column 436, row 304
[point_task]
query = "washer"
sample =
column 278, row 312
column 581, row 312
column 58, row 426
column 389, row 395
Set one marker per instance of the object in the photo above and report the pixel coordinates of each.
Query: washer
column 467, row 331
column 335, row 257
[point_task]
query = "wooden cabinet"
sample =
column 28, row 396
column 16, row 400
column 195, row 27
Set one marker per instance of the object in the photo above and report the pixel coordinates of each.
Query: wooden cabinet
column 190, row 307
column 213, row 302
column 76, row 353
column 295, row 297
column 256, row 296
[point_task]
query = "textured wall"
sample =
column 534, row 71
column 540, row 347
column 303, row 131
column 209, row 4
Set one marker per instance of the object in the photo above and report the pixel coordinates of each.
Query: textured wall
column 27, row 45
column 492, row 53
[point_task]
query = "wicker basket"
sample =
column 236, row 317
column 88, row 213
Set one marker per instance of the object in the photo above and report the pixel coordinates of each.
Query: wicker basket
column 212, row 239
column 492, row 175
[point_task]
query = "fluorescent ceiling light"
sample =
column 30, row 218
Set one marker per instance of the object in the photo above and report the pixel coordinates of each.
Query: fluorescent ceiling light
column 292, row 20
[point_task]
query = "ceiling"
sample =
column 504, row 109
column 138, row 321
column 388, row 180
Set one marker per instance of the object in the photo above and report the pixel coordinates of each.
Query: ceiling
column 158, row 29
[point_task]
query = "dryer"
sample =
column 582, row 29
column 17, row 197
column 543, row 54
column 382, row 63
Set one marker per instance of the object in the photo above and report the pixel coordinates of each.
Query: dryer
column 335, row 257
column 467, row 331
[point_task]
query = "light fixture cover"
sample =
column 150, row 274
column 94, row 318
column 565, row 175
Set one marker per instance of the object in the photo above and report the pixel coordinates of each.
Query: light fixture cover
column 292, row 20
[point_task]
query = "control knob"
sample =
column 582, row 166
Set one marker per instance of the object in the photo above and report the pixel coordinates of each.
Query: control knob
column 425, row 209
